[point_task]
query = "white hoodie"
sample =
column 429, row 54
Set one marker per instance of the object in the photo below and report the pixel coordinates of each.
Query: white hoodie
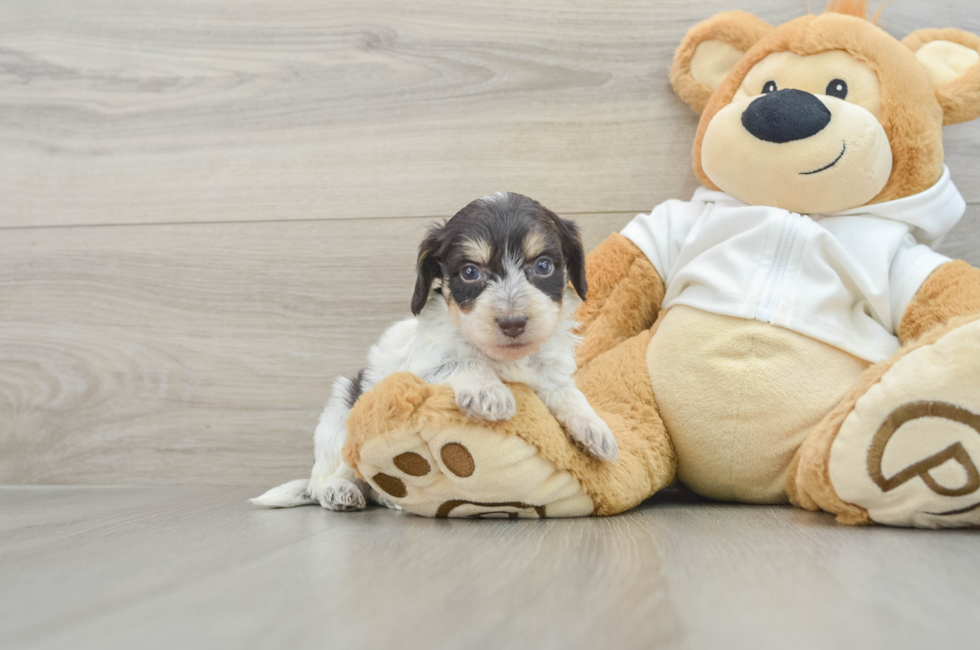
column 844, row 278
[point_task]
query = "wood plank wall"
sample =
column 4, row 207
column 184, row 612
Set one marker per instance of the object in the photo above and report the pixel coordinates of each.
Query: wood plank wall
column 210, row 208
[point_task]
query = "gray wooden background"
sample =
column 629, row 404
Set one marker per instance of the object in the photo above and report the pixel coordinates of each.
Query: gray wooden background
column 210, row 208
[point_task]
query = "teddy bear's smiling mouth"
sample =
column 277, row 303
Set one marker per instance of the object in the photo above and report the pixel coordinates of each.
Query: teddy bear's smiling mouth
column 825, row 167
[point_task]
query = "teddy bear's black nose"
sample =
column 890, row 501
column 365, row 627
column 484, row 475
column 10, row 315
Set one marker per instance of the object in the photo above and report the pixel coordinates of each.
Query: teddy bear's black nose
column 785, row 116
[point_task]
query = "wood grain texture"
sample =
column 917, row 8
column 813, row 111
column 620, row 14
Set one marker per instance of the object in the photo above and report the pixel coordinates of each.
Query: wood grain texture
column 200, row 568
column 122, row 111
column 201, row 353
column 209, row 209
column 963, row 241
column 193, row 353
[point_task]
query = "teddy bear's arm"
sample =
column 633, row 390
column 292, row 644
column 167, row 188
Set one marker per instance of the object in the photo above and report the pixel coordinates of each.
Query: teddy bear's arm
column 951, row 290
column 624, row 297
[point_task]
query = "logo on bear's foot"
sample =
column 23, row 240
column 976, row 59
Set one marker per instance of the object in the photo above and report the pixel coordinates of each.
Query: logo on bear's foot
column 500, row 510
column 955, row 452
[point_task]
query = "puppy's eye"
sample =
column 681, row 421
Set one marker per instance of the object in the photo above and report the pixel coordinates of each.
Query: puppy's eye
column 769, row 87
column 544, row 267
column 837, row 88
column 470, row 273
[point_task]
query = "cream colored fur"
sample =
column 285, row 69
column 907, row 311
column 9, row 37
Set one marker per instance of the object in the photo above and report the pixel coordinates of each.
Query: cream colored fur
column 945, row 373
column 739, row 397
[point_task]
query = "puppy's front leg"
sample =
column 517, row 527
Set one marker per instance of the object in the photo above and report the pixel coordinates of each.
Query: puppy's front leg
column 337, row 489
column 480, row 393
column 583, row 425
column 341, row 490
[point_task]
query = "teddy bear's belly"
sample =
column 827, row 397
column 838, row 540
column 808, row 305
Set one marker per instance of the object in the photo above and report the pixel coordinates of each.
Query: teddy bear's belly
column 738, row 398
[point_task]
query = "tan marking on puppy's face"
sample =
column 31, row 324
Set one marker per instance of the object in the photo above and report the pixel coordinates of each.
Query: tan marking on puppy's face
column 477, row 251
column 505, row 264
column 534, row 245
column 508, row 295
column 454, row 307
column 844, row 163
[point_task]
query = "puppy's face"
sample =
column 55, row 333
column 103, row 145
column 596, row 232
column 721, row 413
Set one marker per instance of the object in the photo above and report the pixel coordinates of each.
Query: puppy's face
column 502, row 264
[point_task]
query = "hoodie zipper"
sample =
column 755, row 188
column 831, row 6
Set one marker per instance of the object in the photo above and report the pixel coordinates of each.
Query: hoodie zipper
column 774, row 281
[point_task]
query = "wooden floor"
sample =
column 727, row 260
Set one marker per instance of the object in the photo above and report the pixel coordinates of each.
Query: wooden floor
column 198, row 567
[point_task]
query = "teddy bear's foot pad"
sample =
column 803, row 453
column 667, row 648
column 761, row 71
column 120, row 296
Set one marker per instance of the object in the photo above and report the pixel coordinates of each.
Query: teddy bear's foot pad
column 469, row 471
column 909, row 452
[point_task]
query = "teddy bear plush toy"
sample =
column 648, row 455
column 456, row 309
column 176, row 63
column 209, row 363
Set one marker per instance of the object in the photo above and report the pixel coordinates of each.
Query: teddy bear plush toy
column 786, row 335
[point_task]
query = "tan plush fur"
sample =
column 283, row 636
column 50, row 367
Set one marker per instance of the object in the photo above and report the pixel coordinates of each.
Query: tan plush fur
column 625, row 294
column 739, row 29
column 618, row 387
column 808, row 484
column 856, row 8
column 951, row 290
column 623, row 312
column 910, row 113
column 949, row 298
column 959, row 98
column 722, row 385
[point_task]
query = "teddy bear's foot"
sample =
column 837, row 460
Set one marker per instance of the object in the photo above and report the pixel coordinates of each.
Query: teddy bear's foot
column 424, row 456
column 469, row 471
column 909, row 451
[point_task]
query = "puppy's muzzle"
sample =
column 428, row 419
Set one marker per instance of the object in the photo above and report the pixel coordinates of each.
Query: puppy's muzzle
column 512, row 326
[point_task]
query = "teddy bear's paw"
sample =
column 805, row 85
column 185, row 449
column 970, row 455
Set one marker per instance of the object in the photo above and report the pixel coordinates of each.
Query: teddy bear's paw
column 341, row 495
column 491, row 403
column 468, row 470
column 909, row 452
column 594, row 436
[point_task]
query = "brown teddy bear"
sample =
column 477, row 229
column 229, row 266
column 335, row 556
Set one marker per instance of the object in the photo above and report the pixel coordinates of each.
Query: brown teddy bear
column 787, row 335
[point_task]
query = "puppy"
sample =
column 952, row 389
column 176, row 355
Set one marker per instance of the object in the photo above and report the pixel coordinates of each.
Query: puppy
column 492, row 303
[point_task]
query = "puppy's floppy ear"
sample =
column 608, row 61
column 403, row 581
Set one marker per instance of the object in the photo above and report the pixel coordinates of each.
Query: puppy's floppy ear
column 709, row 51
column 952, row 58
column 574, row 254
column 428, row 266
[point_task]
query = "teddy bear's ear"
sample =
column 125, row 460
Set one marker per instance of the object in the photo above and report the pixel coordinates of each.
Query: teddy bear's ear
column 952, row 58
column 709, row 51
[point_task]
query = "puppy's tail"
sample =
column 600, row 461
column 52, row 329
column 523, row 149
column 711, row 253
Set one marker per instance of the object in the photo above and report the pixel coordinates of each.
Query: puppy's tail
column 288, row 495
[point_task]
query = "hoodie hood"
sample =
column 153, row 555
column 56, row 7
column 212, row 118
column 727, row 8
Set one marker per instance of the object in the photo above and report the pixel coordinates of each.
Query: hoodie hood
column 932, row 214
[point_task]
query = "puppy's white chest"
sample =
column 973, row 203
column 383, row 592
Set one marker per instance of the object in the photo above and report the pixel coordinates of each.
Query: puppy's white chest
column 518, row 372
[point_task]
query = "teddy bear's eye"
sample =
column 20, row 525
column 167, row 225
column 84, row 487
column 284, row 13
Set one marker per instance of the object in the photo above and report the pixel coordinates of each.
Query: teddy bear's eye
column 837, row 88
column 770, row 87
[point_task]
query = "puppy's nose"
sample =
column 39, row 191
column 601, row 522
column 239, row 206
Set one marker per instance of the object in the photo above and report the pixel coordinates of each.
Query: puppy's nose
column 512, row 326
column 785, row 116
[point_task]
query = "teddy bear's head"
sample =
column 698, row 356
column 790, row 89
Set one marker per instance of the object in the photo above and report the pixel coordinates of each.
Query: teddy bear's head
column 826, row 112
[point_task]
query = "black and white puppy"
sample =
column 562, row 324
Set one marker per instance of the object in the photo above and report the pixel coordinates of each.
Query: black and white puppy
column 492, row 304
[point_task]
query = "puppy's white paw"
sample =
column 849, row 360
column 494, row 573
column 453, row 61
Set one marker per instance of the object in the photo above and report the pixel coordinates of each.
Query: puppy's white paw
column 594, row 436
column 492, row 403
column 384, row 501
column 341, row 495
